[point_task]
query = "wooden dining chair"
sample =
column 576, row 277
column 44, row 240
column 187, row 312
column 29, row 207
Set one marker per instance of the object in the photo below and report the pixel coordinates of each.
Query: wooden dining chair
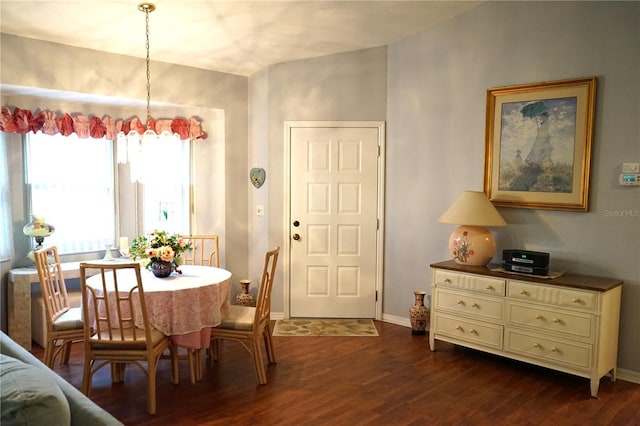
column 249, row 325
column 204, row 252
column 64, row 323
column 116, row 340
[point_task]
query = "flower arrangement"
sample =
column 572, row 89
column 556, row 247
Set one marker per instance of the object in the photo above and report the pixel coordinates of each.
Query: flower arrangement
column 158, row 246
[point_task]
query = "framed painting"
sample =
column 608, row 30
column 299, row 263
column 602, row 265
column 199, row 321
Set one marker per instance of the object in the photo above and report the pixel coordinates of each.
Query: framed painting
column 538, row 144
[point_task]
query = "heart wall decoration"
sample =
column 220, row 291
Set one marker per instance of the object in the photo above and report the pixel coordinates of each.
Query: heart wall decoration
column 257, row 175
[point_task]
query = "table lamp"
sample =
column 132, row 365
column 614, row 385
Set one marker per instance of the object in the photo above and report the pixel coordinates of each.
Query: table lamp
column 472, row 243
column 38, row 230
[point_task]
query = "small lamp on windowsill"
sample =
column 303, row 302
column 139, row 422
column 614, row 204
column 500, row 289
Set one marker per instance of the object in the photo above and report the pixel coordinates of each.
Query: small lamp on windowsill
column 472, row 243
column 39, row 230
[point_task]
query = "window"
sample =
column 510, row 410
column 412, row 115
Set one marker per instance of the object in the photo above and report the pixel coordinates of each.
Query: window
column 165, row 200
column 71, row 184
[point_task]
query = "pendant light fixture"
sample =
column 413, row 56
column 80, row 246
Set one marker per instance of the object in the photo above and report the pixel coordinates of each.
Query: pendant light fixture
column 147, row 8
column 139, row 150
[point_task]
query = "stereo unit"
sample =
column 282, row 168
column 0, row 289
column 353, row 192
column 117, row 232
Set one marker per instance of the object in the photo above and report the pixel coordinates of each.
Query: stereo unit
column 525, row 261
column 526, row 257
column 531, row 270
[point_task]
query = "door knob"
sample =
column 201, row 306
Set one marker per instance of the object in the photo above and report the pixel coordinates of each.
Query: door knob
column 296, row 237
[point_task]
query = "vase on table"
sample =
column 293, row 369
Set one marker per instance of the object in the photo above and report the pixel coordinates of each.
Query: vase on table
column 161, row 269
column 418, row 314
column 245, row 298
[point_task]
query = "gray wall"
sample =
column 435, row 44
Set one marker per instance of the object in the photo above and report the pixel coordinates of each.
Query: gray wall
column 435, row 140
column 348, row 86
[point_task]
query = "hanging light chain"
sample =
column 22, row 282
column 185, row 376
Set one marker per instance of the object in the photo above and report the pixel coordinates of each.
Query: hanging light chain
column 148, row 8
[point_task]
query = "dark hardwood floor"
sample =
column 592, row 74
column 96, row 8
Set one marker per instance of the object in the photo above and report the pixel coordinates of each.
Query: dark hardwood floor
column 389, row 380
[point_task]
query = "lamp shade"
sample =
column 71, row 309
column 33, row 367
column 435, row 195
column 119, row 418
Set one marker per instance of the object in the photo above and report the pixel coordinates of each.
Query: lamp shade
column 37, row 228
column 472, row 208
column 472, row 243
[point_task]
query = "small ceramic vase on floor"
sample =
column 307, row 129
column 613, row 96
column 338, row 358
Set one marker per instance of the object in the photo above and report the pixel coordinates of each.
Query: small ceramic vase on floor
column 418, row 314
column 245, row 298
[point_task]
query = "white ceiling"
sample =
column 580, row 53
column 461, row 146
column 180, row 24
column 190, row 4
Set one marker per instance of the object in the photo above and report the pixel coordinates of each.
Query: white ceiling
column 238, row 37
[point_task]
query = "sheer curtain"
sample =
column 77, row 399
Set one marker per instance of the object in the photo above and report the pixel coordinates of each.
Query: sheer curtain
column 71, row 185
column 166, row 178
column 6, row 242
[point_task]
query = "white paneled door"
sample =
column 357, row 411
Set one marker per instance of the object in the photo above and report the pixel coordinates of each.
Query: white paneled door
column 334, row 220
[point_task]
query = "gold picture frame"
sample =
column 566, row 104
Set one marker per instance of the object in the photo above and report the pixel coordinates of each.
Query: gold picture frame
column 538, row 144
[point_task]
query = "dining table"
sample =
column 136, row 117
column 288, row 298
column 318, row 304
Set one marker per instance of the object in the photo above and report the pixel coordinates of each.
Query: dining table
column 184, row 306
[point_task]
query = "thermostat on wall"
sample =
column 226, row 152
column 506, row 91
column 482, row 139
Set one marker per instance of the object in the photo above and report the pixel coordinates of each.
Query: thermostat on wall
column 627, row 179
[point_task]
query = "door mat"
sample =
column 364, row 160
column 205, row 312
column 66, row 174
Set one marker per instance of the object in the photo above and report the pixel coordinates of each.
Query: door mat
column 325, row 327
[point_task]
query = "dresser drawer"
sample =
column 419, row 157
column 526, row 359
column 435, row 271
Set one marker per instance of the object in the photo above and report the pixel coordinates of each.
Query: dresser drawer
column 565, row 297
column 560, row 352
column 489, row 308
column 472, row 331
column 574, row 324
column 475, row 283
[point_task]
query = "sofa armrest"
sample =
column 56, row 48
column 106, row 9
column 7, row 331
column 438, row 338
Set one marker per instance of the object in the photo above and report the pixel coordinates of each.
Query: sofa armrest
column 83, row 410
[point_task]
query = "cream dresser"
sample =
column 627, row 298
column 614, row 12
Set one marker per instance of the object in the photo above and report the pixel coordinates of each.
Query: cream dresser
column 568, row 323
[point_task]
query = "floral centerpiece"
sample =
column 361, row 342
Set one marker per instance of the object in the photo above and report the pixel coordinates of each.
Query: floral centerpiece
column 159, row 252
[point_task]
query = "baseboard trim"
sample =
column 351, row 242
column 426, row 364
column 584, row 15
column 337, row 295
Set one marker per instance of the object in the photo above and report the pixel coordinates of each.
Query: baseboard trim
column 392, row 319
column 628, row 375
column 277, row 315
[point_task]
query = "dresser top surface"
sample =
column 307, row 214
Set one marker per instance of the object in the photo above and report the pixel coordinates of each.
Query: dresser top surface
column 586, row 282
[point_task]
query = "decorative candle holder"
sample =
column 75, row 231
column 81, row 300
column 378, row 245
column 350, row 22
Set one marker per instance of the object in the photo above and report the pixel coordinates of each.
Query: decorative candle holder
column 107, row 252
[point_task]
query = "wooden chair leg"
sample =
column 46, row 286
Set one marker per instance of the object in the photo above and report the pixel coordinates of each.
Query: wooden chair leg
column 151, row 394
column 258, row 362
column 173, row 352
column 268, row 343
column 214, row 350
column 66, row 352
column 198, row 361
column 86, row 377
column 49, row 351
column 192, row 365
column 117, row 371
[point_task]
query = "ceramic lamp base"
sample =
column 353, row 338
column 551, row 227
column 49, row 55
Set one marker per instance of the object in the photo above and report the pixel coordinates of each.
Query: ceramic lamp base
column 472, row 245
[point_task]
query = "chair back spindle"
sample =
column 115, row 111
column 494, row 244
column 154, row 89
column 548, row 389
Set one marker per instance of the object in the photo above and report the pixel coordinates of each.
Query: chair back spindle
column 263, row 303
column 204, row 251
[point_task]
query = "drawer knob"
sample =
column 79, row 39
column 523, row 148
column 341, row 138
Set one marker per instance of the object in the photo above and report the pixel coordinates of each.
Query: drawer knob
column 447, row 280
column 525, row 293
column 554, row 349
column 537, row 345
column 557, row 321
column 473, row 331
column 461, row 302
column 475, row 305
column 489, row 287
column 539, row 317
column 459, row 328
column 577, row 301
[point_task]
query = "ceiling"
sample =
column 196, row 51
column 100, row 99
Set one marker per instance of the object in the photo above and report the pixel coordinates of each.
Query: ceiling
column 237, row 37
